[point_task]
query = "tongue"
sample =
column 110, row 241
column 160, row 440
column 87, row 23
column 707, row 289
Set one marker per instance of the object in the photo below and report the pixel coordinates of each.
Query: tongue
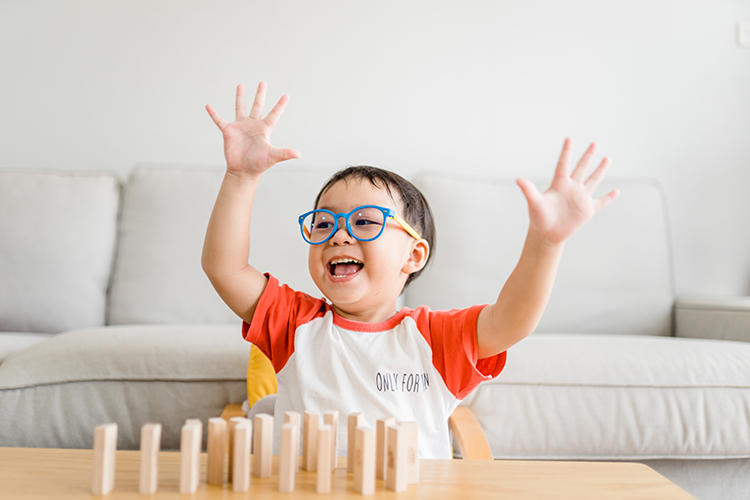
column 345, row 269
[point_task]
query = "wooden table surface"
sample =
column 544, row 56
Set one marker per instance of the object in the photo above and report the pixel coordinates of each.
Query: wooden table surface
column 67, row 474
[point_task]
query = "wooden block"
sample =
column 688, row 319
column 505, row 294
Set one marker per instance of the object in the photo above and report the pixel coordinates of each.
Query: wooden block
column 363, row 460
column 395, row 476
column 199, row 423
column 354, row 420
column 217, row 450
column 262, row 445
column 294, row 418
column 150, row 446
column 190, row 449
column 230, row 431
column 105, row 448
column 381, row 446
column 311, row 421
column 411, row 441
column 325, row 436
column 243, row 431
column 286, row 460
column 332, row 418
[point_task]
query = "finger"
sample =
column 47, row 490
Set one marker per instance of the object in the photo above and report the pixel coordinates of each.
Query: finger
column 605, row 200
column 580, row 171
column 273, row 117
column 529, row 190
column 216, row 117
column 562, row 165
column 278, row 154
column 256, row 112
column 239, row 103
column 596, row 178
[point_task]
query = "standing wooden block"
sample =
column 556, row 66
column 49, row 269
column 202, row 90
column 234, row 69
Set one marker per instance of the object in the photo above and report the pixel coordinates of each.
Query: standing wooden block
column 230, row 430
column 332, row 418
column 105, row 447
column 286, row 460
column 294, row 418
column 355, row 420
column 363, row 460
column 150, row 446
column 396, row 474
column 325, row 436
column 243, row 431
column 381, row 449
column 199, row 423
column 411, row 441
column 311, row 421
column 262, row 445
column 190, row 449
column 217, row 450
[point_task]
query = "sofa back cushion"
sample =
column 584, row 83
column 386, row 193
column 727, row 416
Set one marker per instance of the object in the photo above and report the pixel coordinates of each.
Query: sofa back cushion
column 615, row 275
column 57, row 240
column 158, row 276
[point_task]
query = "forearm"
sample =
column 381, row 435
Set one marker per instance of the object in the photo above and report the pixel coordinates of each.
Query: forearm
column 522, row 300
column 227, row 244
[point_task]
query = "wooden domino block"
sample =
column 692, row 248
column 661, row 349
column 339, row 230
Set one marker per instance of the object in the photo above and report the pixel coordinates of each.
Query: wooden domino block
column 381, row 446
column 243, row 431
column 286, row 460
column 190, row 448
column 411, row 441
column 325, row 436
column 230, row 431
column 217, row 450
column 332, row 418
column 362, row 459
column 105, row 448
column 354, row 420
column 311, row 421
column 396, row 475
column 150, row 446
column 294, row 418
column 262, row 445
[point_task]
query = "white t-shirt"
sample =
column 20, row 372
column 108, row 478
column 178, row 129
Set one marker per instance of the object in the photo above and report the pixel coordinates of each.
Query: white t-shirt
column 415, row 367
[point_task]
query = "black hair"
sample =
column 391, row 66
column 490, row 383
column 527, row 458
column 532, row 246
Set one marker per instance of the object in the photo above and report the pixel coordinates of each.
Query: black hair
column 416, row 209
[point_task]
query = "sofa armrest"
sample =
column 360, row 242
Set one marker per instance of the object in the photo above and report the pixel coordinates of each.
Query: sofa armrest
column 717, row 318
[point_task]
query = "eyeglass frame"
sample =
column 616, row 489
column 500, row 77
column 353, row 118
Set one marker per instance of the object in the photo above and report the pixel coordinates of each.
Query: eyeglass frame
column 387, row 212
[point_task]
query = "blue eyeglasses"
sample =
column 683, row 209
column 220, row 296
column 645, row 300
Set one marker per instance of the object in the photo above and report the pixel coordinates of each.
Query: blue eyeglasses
column 364, row 223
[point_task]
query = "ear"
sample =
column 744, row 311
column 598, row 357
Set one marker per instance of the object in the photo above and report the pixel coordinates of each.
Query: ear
column 417, row 257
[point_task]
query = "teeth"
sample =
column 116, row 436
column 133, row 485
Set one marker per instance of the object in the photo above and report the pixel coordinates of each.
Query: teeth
column 344, row 261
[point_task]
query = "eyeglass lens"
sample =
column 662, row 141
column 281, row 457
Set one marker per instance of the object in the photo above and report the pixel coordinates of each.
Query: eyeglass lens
column 365, row 223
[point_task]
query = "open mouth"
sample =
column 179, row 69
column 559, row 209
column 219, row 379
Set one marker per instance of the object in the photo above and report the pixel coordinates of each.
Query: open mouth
column 345, row 267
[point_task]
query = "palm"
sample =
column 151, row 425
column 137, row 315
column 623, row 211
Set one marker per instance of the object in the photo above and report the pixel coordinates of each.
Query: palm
column 247, row 146
column 567, row 205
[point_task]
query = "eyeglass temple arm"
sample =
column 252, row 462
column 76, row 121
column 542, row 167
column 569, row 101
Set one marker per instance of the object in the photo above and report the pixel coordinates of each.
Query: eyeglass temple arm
column 406, row 227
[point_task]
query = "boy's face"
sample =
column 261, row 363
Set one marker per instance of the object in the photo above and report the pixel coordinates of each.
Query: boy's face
column 367, row 288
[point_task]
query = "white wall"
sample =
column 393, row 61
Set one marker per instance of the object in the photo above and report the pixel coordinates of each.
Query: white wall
column 480, row 87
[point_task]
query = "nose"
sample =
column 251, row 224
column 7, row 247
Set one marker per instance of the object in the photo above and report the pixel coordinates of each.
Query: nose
column 341, row 236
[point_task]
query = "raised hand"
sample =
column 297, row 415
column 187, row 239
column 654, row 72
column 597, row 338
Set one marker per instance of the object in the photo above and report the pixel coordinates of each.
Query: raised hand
column 567, row 205
column 247, row 146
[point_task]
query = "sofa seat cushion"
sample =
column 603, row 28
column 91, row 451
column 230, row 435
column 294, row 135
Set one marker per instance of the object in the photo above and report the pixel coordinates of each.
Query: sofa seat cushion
column 62, row 388
column 607, row 397
column 11, row 342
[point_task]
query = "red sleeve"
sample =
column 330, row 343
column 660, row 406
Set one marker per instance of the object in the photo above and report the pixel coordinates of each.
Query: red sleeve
column 453, row 338
column 279, row 312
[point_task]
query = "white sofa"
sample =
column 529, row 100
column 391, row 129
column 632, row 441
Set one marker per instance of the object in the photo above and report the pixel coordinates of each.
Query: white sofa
column 106, row 315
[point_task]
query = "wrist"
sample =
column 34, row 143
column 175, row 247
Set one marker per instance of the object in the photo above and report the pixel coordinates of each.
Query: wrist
column 543, row 243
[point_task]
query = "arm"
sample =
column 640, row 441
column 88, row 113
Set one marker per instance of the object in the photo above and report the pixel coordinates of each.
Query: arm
column 554, row 216
column 227, row 245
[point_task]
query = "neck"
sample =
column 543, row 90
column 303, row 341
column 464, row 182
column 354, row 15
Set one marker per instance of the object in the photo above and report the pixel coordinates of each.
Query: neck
column 372, row 316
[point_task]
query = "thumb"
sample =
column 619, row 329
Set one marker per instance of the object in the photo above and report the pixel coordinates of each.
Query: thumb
column 529, row 190
column 278, row 154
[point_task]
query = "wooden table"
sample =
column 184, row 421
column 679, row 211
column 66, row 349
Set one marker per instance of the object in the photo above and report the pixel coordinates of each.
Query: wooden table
column 27, row 473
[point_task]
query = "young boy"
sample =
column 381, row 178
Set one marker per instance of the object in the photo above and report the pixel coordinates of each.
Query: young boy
column 357, row 352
